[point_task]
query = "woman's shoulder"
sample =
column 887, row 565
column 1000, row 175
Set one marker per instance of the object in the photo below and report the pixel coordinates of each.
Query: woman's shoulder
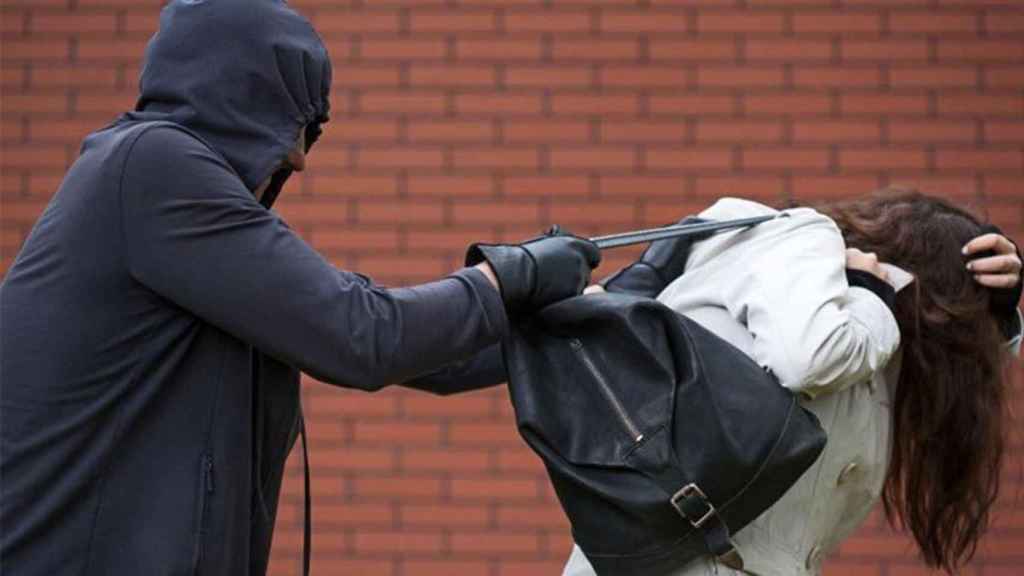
column 799, row 218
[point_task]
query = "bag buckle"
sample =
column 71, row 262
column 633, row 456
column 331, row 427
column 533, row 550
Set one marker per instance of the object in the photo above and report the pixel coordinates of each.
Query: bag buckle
column 687, row 492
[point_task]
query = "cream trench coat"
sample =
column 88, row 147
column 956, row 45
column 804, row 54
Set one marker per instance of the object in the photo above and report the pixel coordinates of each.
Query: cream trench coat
column 778, row 292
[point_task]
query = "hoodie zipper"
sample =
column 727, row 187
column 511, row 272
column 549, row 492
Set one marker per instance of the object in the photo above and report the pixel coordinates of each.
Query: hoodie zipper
column 607, row 392
column 206, row 487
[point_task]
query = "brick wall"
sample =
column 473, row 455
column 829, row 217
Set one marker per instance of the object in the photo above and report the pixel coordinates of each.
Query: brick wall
column 467, row 120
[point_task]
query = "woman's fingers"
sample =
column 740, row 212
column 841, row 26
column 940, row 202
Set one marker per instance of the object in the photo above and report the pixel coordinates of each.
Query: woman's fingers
column 997, row 280
column 995, row 242
column 1003, row 264
column 866, row 261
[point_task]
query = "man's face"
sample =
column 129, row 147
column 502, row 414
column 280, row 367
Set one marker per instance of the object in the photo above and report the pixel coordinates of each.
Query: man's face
column 296, row 160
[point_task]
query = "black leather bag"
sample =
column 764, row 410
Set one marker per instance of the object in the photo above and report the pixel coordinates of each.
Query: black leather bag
column 660, row 438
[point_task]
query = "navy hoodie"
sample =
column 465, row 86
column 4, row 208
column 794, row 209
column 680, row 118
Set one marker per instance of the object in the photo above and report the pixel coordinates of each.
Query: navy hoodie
column 156, row 319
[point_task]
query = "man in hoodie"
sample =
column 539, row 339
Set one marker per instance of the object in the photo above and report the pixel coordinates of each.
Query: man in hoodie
column 158, row 315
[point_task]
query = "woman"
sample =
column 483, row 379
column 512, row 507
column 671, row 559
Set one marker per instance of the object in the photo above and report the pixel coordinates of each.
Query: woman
column 910, row 387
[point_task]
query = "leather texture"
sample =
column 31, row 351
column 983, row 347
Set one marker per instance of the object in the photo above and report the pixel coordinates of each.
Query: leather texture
column 628, row 403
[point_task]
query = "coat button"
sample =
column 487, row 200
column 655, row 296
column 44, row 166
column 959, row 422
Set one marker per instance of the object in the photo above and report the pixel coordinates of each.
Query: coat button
column 813, row 558
column 846, row 473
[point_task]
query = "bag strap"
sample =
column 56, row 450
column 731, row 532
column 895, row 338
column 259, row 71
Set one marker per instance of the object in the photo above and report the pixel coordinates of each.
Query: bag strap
column 695, row 507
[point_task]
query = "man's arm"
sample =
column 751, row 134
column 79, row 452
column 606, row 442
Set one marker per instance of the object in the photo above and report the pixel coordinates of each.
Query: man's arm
column 194, row 235
column 481, row 371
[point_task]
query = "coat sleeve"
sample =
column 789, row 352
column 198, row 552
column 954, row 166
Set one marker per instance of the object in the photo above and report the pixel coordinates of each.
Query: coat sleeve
column 481, row 371
column 814, row 331
column 196, row 236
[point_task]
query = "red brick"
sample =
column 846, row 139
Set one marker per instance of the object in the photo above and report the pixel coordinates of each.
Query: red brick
column 519, row 462
column 400, row 212
column 1004, row 21
column 357, row 130
column 972, row 104
column 439, row 130
column 498, row 103
column 837, row 77
column 44, row 22
column 790, row 104
column 432, row 75
column 493, row 212
column 389, row 49
column 1011, row 77
column 605, row 157
column 463, row 406
column 836, row 131
column 497, row 49
column 13, row 22
column 13, row 77
column 482, row 543
column 536, row 516
column 362, row 75
column 643, row 131
column 739, row 76
column 73, row 77
column 786, row 158
column 453, row 21
column 348, row 239
column 936, row 76
column 932, row 131
column 882, row 158
column 763, row 49
column 447, row 241
column 450, row 186
column 689, row 158
column 446, row 567
column 932, row 22
column 884, row 50
column 831, row 187
column 396, row 157
column 594, row 49
column 710, row 188
column 1006, row 50
column 546, row 131
column 483, row 434
column 34, row 50
column 1009, row 132
column 611, row 104
column 352, row 185
column 884, row 104
column 693, row 104
column 547, row 77
column 527, row 567
column 633, row 22
column 593, row 213
column 331, row 458
column 562, row 21
column 37, row 156
column 356, row 21
column 732, row 131
column 140, row 21
column 560, row 186
column 120, row 50
column 965, row 186
column 698, row 50
column 402, row 102
column 448, row 459
column 836, row 23
column 485, row 157
column 408, row 433
column 980, row 160
column 401, row 542
column 354, row 514
column 740, row 21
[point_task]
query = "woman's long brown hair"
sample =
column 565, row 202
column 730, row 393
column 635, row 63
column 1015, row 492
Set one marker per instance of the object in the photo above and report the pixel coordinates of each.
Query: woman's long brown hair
column 950, row 411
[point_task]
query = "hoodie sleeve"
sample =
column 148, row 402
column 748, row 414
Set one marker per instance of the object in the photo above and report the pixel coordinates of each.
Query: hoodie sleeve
column 196, row 236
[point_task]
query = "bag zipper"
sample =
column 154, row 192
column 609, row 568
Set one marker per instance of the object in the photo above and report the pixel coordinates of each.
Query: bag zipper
column 606, row 391
column 205, row 489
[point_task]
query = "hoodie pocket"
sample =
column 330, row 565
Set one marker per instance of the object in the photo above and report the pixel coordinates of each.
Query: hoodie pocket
column 205, row 493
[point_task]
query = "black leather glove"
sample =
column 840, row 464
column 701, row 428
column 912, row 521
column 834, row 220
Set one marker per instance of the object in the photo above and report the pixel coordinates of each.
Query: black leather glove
column 541, row 271
column 658, row 266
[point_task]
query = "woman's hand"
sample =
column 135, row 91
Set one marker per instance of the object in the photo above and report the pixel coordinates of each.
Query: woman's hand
column 594, row 289
column 1000, row 270
column 866, row 261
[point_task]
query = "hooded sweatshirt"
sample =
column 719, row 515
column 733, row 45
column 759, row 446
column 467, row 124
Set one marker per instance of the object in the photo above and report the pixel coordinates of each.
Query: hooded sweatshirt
column 156, row 319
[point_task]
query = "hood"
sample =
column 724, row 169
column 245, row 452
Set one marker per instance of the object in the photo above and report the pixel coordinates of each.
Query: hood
column 244, row 75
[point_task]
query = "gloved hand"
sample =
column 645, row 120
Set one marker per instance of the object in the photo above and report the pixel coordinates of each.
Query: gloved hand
column 541, row 271
column 659, row 265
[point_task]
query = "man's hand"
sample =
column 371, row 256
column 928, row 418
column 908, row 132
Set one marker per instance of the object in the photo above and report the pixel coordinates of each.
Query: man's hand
column 866, row 262
column 1002, row 269
column 538, row 272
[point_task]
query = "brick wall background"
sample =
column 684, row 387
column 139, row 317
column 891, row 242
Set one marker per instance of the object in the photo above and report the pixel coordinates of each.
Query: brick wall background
column 464, row 120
